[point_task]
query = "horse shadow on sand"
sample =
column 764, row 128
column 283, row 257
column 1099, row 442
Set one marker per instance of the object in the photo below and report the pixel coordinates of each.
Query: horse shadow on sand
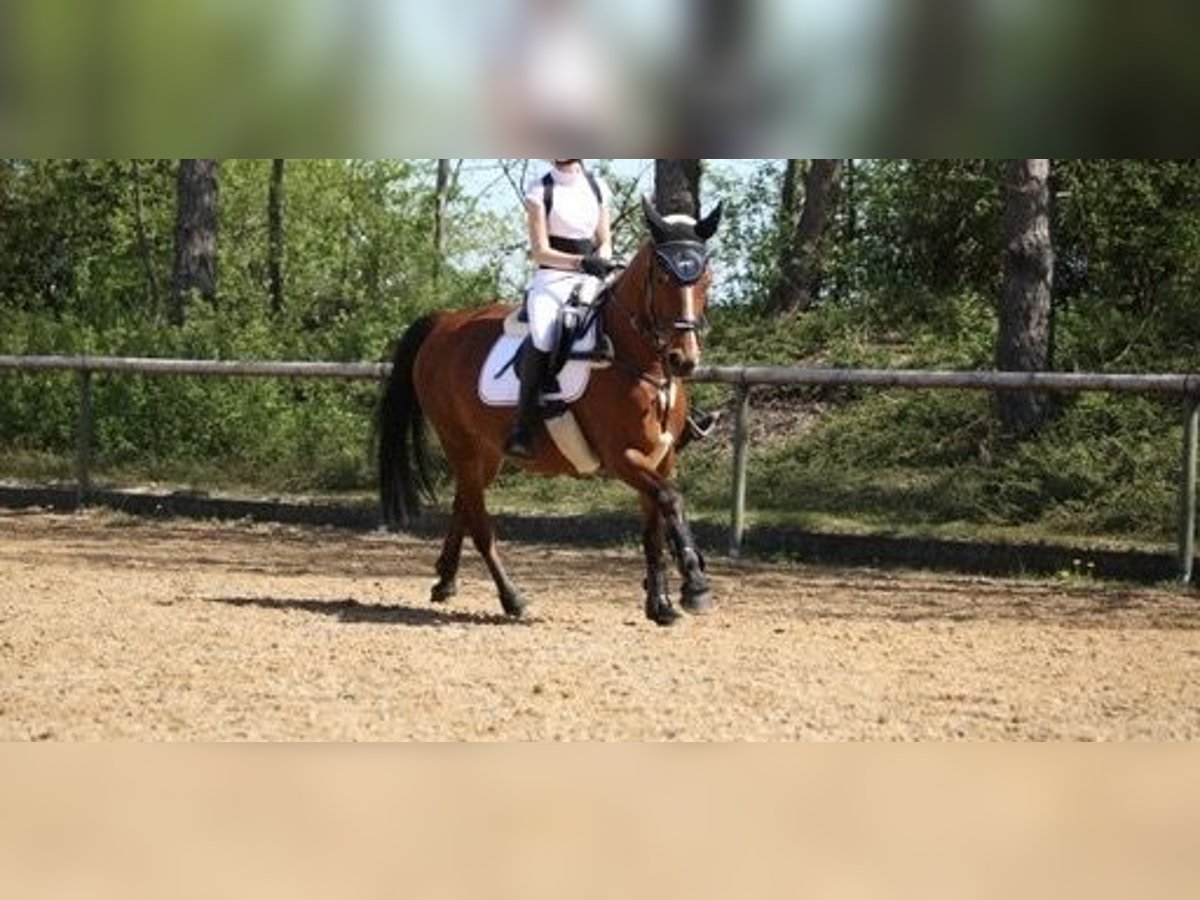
column 351, row 612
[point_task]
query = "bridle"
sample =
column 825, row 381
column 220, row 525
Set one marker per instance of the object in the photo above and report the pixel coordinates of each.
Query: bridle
column 686, row 262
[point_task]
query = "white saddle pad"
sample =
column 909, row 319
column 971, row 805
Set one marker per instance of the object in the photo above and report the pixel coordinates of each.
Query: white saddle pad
column 498, row 382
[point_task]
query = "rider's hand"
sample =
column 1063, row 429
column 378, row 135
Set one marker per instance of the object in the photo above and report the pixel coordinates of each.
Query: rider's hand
column 596, row 266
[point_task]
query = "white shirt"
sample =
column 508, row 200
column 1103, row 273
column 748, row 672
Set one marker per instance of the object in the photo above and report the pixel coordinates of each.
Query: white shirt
column 575, row 214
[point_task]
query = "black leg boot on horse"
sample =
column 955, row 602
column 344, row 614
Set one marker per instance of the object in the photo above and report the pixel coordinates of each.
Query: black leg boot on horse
column 532, row 365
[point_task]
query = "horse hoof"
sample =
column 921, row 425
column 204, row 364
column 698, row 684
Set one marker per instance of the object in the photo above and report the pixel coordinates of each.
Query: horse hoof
column 514, row 604
column 698, row 602
column 442, row 591
column 663, row 614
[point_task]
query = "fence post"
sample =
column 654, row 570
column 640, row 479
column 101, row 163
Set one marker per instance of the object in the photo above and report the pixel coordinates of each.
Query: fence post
column 741, row 441
column 1187, row 497
column 83, row 439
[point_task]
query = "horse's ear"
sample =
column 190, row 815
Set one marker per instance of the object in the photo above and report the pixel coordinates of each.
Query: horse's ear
column 658, row 225
column 707, row 226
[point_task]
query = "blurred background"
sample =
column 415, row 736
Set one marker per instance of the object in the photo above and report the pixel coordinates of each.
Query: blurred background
column 372, row 78
column 592, row 822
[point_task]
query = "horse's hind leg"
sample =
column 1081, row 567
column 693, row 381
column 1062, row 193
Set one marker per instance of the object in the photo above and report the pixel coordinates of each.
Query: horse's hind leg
column 471, row 487
column 447, row 564
column 484, row 535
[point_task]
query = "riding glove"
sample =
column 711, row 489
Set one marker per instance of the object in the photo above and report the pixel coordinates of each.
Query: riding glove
column 596, row 266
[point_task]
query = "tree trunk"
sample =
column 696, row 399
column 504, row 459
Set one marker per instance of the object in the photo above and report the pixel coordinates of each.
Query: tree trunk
column 677, row 186
column 800, row 262
column 139, row 224
column 196, row 223
column 441, row 204
column 789, row 197
column 1024, row 339
column 275, row 203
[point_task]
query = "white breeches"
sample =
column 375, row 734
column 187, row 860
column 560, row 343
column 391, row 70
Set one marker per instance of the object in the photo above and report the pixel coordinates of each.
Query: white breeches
column 548, row 293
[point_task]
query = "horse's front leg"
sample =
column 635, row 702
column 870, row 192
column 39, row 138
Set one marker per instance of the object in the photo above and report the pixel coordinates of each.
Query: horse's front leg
column 697, row 594
column 658, row 493
column 658, row 598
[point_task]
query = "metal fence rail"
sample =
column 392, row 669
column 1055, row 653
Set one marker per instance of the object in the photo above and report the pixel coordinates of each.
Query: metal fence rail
column 1068, row 382
column 85, row 367
column 1184, row 386
column 741, row 379
column 112, row 365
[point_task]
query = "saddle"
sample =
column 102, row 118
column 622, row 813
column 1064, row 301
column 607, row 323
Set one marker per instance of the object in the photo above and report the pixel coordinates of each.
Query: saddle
column 581, row 339
column 582, row 347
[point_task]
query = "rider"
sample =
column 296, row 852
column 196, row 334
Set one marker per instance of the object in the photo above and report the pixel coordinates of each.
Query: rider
column 567, row 213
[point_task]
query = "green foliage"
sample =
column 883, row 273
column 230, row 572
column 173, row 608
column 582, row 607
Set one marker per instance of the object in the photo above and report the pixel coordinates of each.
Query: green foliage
column 749, row 241
column 1128, row 230
column 913, row 330
column 359, row 266
column 931, row 225
column 934, row 459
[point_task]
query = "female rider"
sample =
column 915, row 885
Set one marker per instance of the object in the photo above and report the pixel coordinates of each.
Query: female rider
column 567, row 214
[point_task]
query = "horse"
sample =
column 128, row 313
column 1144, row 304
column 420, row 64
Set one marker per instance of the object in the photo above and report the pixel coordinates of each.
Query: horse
column 633, row 414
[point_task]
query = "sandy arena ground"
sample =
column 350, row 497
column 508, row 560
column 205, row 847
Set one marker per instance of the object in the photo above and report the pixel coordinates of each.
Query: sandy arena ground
column 117, row 628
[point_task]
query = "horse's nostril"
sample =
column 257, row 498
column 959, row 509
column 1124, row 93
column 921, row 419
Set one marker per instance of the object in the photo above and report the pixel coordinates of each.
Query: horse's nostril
column 682, row 365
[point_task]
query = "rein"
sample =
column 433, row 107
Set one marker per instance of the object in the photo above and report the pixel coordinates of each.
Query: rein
column 602, row 300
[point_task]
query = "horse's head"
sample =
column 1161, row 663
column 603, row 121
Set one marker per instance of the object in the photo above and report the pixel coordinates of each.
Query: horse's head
column 678, row 280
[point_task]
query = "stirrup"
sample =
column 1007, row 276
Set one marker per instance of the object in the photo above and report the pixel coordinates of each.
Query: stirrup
column 519, row 443
column 702, row 427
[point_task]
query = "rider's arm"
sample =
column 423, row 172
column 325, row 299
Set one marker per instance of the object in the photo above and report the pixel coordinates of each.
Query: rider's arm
column 539, row 240
column 604, row 233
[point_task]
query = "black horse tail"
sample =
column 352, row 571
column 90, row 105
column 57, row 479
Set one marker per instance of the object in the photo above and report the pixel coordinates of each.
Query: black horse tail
column 404, row 470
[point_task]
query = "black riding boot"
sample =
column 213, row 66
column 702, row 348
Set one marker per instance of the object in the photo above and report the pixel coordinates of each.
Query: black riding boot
column 531, row 369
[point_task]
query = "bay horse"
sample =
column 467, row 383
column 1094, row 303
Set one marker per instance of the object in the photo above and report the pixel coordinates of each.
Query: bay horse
column 632, row 414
